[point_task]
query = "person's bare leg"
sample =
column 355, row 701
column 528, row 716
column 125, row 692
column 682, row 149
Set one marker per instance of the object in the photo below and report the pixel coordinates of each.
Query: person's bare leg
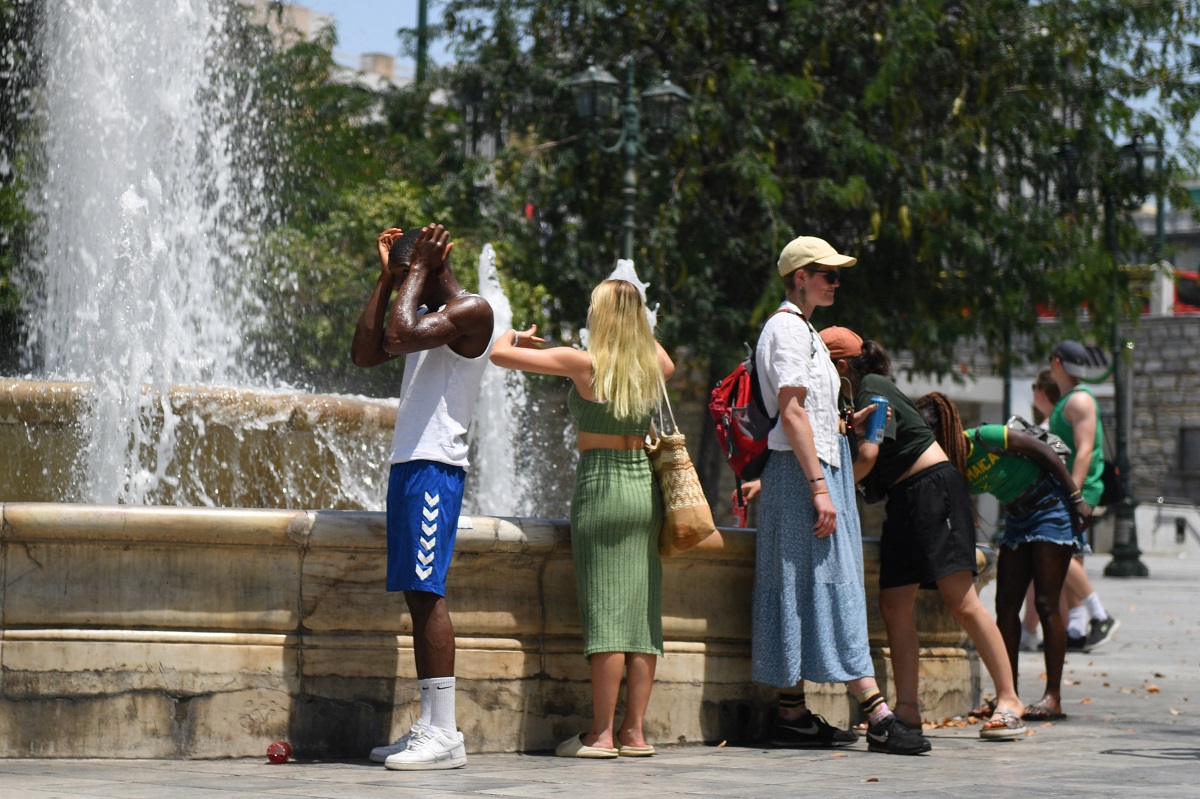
column 1078, row 586
column 433, row 634
column 607, row 668
column 639, row 681
column 1029, row 621
column 958, row 592
column 1051, row 563
column 896, row 607
column 1014, row 572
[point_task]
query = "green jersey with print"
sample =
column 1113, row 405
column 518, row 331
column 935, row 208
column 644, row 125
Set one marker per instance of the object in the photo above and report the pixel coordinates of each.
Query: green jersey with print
column 1004, row 475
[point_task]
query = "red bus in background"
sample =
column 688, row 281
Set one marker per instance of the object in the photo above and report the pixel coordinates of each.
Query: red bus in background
column 1187, row 293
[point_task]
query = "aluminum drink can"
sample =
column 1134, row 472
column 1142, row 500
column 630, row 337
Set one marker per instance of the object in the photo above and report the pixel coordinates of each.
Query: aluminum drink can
column 877, row 421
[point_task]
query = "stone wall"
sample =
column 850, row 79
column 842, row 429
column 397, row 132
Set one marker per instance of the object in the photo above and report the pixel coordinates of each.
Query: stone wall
column 183, row 632
column 1165, row 400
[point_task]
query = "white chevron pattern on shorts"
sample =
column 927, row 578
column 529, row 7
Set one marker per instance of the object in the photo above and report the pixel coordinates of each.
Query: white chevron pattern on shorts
column 429, row 539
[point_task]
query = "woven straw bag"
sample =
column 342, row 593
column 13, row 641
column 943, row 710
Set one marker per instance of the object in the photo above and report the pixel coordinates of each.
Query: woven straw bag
column 687, row 518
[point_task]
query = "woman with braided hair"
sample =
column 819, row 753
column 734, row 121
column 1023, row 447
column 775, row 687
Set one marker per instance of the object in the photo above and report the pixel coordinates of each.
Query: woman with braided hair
column 1045, row 519
column 927, row 541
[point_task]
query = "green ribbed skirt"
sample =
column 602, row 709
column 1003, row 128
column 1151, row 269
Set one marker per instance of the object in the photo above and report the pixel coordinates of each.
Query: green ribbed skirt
column 616, row 512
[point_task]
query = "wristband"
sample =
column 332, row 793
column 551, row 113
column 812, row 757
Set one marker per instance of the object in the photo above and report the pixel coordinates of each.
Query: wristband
column 516, row 339
column 822, row 491
column 816, row 479
column 1077, row 501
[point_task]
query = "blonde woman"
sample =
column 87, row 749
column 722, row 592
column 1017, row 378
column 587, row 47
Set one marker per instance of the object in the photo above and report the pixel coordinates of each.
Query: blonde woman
column 616, row 509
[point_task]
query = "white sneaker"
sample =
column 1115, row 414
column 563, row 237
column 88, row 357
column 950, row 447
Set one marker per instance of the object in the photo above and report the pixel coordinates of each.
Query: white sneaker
column 429, row 748
column 382, row 753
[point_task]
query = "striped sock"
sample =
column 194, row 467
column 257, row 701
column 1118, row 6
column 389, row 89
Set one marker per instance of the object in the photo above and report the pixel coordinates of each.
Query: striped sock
column 872, row 704
column 792, row 704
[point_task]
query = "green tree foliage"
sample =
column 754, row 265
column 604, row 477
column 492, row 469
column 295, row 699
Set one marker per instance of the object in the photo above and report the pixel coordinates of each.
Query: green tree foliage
column 921, row 136
column 358, row 161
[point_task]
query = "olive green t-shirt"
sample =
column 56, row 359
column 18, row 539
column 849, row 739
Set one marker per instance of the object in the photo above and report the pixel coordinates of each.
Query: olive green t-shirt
column 905, row 438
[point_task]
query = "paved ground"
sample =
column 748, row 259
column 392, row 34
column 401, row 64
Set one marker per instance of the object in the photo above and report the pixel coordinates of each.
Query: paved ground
column 1134, row 710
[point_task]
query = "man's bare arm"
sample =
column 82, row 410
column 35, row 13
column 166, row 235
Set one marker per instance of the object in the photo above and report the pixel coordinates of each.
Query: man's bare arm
column 366, row 350
column 1081, row 413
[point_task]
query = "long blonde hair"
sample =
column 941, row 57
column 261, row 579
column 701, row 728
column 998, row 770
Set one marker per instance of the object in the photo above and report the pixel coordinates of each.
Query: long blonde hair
column 625, row 369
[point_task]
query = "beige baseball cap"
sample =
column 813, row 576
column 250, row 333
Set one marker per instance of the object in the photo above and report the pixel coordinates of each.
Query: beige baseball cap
column 808, row 250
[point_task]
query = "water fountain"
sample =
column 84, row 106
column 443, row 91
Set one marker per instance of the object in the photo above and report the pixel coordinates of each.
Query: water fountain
column 206, row 630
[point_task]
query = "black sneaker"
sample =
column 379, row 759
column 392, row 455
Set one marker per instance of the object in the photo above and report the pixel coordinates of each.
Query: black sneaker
column 1076, row 643
column 892, row 736
column 1100, row 632
column 810, row 730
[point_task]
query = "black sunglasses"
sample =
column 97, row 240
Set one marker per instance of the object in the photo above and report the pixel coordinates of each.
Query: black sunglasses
column 832, row 276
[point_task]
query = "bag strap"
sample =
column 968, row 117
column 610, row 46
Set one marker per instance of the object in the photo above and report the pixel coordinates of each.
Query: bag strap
column 667, row 401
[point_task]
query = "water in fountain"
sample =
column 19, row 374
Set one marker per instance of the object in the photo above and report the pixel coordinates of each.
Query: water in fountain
column 149, row 188
column 498, row 486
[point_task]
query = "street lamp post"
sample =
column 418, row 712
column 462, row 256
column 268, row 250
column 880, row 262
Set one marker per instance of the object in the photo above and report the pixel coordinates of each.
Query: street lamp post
column 1124, row 188
column 1139, row 162
column 666, row 105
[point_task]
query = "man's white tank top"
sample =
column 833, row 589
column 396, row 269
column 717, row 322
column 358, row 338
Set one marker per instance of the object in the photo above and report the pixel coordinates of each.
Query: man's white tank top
column 437, row 403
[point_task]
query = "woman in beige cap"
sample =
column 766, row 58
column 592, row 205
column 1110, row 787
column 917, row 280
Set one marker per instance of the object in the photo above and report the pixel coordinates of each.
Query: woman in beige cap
column 809, row 615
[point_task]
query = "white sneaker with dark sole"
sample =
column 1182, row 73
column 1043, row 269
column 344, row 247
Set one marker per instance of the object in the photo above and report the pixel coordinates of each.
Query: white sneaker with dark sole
column 382, row 753
column 430, row 748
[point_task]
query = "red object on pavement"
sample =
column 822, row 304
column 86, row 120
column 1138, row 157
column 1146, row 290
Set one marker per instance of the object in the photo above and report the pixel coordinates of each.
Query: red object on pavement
column 279, row 752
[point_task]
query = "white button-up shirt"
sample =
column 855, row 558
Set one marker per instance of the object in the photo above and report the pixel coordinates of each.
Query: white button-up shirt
column 790, row 354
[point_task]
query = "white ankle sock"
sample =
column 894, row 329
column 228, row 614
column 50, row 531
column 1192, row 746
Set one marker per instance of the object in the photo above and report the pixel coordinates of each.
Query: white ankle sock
column 427, row 691
column 440, row 691
column 1094, row 607
column 1077, row 621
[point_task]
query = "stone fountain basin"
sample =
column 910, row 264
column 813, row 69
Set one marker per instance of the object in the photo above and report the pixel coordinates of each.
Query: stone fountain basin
column 233, row 447
column 166, row 632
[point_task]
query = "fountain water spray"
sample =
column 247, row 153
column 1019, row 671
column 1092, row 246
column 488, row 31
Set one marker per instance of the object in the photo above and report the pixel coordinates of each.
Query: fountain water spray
column 497, row 485
column 149, row 187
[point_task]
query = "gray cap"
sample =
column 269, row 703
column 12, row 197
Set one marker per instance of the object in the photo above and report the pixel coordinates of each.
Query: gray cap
column 1078, row 360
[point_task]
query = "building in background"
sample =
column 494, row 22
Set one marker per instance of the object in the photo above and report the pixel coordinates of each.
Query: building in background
column 290, row 24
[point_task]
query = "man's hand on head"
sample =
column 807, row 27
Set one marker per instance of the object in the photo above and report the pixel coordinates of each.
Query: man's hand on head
column 384, row 243
column 432, row 249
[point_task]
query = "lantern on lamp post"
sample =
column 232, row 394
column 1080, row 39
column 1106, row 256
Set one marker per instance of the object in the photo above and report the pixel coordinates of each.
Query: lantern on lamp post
column 594, row 92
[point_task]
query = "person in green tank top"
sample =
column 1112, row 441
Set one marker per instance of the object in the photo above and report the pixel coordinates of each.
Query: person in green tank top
column 1076, row 420
column 616, row 510
column 1046, row 517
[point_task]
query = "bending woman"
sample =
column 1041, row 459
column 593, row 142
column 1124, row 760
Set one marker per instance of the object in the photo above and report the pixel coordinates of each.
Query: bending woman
column 928, row 540
column 1046, row 517
column 616, row 510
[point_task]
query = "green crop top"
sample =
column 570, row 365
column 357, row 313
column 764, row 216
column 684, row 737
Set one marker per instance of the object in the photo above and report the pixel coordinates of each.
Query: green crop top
column 594, row 417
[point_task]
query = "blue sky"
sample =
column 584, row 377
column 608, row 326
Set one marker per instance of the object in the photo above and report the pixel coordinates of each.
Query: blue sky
column 369, row 26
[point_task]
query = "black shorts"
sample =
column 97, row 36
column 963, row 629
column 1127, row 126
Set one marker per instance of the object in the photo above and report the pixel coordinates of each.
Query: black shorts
column 929, row 532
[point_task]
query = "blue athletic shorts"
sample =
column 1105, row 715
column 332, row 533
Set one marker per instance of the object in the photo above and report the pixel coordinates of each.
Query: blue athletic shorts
column 424, row 500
